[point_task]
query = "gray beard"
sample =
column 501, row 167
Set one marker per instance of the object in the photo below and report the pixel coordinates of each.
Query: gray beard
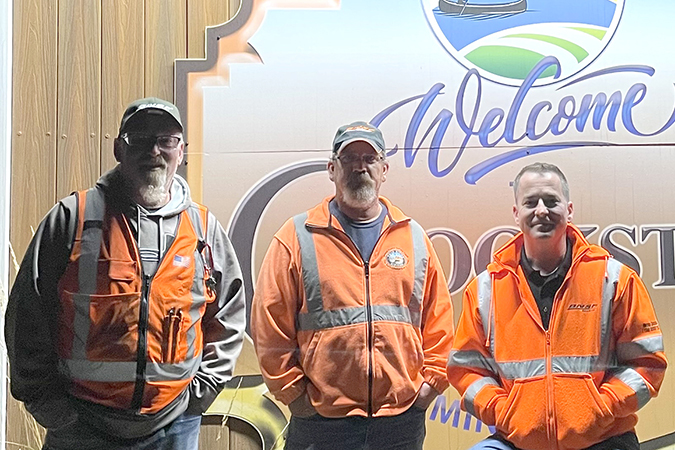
column 360, row 191
column 152, row 192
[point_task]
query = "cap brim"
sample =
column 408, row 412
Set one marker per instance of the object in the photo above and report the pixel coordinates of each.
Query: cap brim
column 357, row 139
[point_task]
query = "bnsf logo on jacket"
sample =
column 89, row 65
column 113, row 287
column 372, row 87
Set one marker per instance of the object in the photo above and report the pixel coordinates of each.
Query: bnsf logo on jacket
column 581, row 307
column 395, row 259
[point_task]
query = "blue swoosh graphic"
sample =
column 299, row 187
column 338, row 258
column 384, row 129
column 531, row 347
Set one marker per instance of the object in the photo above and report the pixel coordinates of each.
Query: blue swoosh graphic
column 616, row 69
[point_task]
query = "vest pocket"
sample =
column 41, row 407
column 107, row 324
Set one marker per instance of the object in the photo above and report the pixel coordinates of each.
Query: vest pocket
column 105, row 327
column 172, row 328
column 581, row 413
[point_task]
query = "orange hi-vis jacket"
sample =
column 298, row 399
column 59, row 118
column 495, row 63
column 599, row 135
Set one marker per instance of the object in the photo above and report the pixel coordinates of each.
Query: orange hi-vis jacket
column 359, row 337
column 579, row 382
column 127, row 340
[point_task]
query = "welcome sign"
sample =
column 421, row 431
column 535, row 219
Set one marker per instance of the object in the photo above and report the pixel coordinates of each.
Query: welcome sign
column 466, row 93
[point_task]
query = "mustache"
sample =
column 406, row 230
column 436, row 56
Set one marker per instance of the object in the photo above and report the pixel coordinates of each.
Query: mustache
column 359, row 179
column 152, row 161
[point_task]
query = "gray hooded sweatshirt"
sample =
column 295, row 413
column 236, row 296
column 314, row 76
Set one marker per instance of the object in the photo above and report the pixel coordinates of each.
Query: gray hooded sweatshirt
column 32, row 315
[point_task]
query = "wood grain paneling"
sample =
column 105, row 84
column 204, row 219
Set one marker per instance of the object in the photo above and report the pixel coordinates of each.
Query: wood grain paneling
column 33, row 172
column 201, row 14
column 243, row 436
column 122, row 67
column 234, row 7
column 79, row 95
column 165, row 40
column 77, row 64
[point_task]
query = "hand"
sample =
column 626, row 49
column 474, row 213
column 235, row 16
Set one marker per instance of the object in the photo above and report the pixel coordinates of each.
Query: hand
column 425, row 396
column 302, row 406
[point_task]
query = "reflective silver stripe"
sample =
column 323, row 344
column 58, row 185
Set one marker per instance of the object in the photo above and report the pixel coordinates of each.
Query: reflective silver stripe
column 421, row 262
column 472, row 391
column 348, row 316
column 484, row 304
column 310, row 269
column 612, row 270
column 522, row 369
column 87, row 268
column 472, row 359
column 635, row 381
column 576, row 364
column 125, row 371
column 627, row 351
column 198, row 296
column 317, row 318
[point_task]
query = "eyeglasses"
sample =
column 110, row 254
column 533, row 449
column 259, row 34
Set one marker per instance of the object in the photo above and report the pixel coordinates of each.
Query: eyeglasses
column 351, row 158
column 146, row 141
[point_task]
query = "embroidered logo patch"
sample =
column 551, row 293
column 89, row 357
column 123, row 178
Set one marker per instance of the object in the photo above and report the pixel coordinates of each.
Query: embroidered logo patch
column 582, row 307
column 395, row 259
column 181, row 261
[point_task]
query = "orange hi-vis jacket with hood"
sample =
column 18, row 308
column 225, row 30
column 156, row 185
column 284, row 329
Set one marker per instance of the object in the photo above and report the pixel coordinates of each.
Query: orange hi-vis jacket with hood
column 360, row 337
column 576, row 384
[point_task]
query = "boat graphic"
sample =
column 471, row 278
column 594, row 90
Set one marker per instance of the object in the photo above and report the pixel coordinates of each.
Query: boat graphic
column 463, row 7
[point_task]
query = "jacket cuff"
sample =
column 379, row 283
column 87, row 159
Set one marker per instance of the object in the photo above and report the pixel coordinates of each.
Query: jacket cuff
column 440, row 384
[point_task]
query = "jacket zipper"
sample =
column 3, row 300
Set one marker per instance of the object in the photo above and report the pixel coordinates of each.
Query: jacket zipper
column 369, row 321
column 550, row 413
column 369, row 313
column 141, row 359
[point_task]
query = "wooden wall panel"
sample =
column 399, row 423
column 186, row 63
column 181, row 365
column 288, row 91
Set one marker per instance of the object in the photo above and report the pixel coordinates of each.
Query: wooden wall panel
column 77, row 64
column 201, row 14
column 234, row 7
column 122, row 67
column 165, row 41
column 33, row 171
column 33, row 176
column 79, row 95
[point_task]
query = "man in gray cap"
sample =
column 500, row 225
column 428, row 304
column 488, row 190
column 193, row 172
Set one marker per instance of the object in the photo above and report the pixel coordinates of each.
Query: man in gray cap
column 351, row 318
column 128, row 313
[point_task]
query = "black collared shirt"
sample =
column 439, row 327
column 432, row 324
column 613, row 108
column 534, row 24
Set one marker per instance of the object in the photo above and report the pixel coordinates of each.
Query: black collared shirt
column 544, row 287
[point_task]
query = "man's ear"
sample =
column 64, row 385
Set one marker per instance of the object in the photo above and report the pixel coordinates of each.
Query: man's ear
column 330, row 167
column 118, row 149
column 182, row 153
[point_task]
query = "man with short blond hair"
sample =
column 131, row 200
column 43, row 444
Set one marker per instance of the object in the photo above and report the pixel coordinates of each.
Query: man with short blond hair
column 558, row 344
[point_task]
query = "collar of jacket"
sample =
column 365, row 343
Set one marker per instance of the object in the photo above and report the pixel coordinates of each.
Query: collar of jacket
column 508, row 257
column 320, row 216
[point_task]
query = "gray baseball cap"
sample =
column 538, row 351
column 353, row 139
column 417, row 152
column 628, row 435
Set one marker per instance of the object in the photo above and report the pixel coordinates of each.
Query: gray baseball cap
column 150, row 105
column 358, row 131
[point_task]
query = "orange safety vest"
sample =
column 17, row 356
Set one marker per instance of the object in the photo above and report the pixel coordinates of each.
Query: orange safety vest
column 127, row 340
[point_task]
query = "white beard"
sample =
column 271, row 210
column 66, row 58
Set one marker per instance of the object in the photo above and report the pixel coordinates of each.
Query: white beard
column 152, row 191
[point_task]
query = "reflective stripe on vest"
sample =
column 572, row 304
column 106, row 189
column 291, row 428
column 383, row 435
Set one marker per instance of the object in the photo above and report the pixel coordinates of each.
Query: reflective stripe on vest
column 92, row 232
column 317, row 318
column 198, row 294
column 78, row 367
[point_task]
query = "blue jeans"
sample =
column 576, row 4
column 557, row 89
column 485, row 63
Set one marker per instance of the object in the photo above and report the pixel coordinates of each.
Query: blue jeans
column 181, row 434
column 626, row 441
column 403, row 432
